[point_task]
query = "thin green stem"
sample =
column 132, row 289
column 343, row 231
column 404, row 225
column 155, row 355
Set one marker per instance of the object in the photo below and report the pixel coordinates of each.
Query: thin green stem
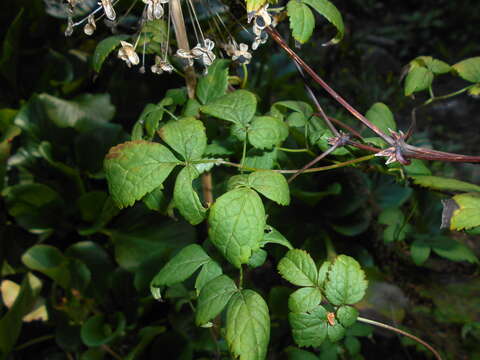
column 34, row 341
column 311, row 170
column 170, row 113
column 402, row 332
column 244, row 154
column 446, row 96
column 109, row 350
column 296, row 150
column 331, row 253
column 245, row 76
column 240, row 279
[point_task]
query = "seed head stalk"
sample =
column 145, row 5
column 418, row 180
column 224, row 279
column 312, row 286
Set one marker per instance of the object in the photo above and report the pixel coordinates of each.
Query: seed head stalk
column 182, row 41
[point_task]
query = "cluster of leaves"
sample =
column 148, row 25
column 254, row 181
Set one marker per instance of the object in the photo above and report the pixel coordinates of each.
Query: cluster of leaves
column 89, row 262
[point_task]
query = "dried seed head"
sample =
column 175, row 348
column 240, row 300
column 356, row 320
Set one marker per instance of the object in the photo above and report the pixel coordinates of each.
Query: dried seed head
column 127, row 53
column 69, row 29
column 90, row 27
column 108, row 9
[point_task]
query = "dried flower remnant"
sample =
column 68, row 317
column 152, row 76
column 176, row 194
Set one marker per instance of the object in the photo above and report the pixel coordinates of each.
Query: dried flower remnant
column 69, row 29
column 204, row 52
column 154, row 9
column 161, row 66
column 127, row 53
column 262, row 19
column 90, row 27
column 186, row 56
column 395, row 152
column 241, row 54
column 260, row 39
column 108, row 9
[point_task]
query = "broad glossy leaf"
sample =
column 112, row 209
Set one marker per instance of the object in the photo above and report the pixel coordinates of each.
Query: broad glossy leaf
column 273, row 236
column 419, row 251
column 96, row 331
column 446, row 184
column 469, row 69
column 379, row 114
column 265, row 132
column 270, row 184
column 108, row 212
column 150, row 243
column 150, row 117
column 104, row 48
column 85, row 112
column 214, row 84
column 261, row 159
column 209, row 271
column 186, row 198
column 35, row 207
column 248, row 326
column 186, row 136
column 468, row 213
column 10, row 49
column 418, row 79
column 181, row 266
column 346, row 282
column 309, row 329
column 298, row 267
column 331, row 13
column 12, row 320
column 49, row 261
column 302, row 21
column 304, row 299
column 452, row 249
column 156, row 200
column 214, row 296
column 238, row 107
column 136, row 168
column 237, row 221
column 347, row 315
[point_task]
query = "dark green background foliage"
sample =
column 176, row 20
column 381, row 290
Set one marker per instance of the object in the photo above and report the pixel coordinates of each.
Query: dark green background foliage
column 84, row 256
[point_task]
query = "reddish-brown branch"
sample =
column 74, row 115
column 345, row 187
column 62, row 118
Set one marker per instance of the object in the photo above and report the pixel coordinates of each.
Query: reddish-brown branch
column 276, row 36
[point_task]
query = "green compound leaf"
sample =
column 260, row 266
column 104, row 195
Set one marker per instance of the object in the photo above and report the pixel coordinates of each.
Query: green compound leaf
column 181, row 266
column 299, row 354
column 135, row 168
column 258, row 258
column 379, row 114
column 436, row 66
column 237, row 222
column 445, row 184
column 186, row 198
column 347, row 315
column 331, row 13
column 248, row 326
column 469, row 69
column 104, row 48
column 418, row 79
column 96, row 331
column 309, row 329
column 272, row 185
column 238, row 107
column 298, row 267
column 213, row 298
column 322, row 273
column 265, row 132
column 273, row 236
column 214, row 84
column 335, row 332
column 186, row 136
column 420, row 251
column 304, row 299
column 209, row 271
column 345, row 282
column 302, row 21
